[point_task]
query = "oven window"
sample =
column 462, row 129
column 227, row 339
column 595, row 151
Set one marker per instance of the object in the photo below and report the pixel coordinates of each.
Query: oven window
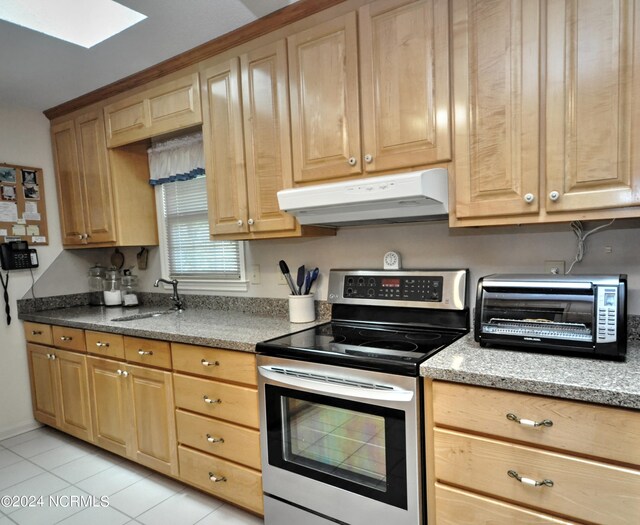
column 351, row 445
column 557, row 315
column 341, row 442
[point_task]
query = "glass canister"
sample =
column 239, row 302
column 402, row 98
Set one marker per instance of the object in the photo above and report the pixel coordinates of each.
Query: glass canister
column 129, row 289
column 96, row 285
column 112, row 287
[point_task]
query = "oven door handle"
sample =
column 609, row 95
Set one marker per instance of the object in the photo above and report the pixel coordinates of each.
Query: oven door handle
column 324, row 385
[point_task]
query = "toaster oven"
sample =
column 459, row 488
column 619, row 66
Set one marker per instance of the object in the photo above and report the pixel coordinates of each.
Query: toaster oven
column 569, row 314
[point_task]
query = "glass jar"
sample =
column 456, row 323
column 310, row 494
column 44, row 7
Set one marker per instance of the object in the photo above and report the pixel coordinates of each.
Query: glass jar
column 96, row 285
column 129, row 289
column 112, row 287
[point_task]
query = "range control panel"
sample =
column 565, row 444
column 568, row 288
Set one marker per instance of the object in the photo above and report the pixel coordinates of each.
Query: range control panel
column 398, row 288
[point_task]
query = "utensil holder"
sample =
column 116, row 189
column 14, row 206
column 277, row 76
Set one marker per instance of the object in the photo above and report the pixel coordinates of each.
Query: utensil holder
column 302, row 308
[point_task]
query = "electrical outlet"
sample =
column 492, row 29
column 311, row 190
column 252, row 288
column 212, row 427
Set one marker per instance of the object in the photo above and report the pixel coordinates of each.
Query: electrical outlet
column 554, row 267
column 255, row 274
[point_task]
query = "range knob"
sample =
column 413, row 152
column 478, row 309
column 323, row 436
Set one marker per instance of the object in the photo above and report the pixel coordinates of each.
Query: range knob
column 349, row 291
column 372, row 281
column 360, row 281
column 349, row 281
column 371, row 292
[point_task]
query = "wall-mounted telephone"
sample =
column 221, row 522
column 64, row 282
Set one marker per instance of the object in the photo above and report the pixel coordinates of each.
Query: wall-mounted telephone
column 17, row 255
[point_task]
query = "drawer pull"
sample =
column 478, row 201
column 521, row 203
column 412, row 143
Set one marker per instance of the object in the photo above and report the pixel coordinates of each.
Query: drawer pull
column 216, row 479
column 66, row 338
column 211, row 439
column 529, row 422
column 207, row 399
column 100, row 344
column 144, row 352
column 209, row 363
column 36, row 332
column 53, row 357
column 528, row 481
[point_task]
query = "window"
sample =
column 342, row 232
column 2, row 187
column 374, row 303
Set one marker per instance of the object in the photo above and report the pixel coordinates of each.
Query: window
column 188, row 253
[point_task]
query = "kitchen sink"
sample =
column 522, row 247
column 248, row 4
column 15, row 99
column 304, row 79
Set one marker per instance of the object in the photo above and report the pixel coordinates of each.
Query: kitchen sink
column 145, row 315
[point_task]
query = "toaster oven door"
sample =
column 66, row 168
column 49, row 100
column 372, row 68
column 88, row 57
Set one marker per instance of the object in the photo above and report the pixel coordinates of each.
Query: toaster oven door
column 557, row 317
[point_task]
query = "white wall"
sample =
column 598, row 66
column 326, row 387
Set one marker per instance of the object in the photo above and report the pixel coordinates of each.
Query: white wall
column 24, row 140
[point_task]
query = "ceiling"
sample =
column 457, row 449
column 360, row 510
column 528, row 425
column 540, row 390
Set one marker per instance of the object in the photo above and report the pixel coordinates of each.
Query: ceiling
column 39, row 72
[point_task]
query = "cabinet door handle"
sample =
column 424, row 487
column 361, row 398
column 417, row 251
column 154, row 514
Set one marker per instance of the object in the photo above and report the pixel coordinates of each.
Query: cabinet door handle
column 144, row 352
column 554, row 196
column 368, row 159
column 125, row 373
column 352, row 161
column 54, row 357
column 209, row 363
column 240, row 222
column 216, row 479
column 529, row 422
column 529, row 198
column 119, row 372
column 66, row 338
column 49, row 356
column 36, row 332
column 250, row 222
column 528, row 481
column 207, row 399
column 100, row 344
column 211, row 439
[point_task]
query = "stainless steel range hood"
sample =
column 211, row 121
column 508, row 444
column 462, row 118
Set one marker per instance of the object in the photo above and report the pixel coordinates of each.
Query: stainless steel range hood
column 406, row 197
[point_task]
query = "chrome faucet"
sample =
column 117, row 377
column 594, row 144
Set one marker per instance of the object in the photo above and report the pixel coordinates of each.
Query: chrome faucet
column 177, row 301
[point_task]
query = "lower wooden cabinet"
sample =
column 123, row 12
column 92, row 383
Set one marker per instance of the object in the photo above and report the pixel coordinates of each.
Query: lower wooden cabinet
column 491, row 462
column 59, row 390
column 133, row 412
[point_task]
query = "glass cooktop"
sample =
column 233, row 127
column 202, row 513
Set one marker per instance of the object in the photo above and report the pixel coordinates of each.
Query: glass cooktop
column 380, row 348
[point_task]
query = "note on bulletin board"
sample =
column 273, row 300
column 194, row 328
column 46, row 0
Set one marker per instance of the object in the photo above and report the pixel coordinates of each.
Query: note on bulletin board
column 22, row 204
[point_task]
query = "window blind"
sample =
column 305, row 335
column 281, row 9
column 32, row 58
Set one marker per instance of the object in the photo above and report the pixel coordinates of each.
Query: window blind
column 191, row 252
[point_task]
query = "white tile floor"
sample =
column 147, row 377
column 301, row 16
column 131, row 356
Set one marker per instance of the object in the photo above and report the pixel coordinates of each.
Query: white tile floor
column 55, row 478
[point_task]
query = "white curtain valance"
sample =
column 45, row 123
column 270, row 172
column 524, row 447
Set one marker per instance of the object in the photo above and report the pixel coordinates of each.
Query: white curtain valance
column 176, row 159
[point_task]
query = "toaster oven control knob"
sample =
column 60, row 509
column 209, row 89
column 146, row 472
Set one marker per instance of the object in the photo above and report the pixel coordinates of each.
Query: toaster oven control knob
column 554, row 196
column 529, row 198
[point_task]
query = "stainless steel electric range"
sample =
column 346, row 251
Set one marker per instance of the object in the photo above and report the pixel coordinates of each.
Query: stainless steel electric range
column 341, row 425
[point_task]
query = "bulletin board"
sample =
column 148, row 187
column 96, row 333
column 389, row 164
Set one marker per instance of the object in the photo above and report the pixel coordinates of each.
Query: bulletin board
column 23, row 214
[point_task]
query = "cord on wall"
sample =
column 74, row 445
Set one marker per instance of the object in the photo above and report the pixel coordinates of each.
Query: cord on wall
column 576, row 227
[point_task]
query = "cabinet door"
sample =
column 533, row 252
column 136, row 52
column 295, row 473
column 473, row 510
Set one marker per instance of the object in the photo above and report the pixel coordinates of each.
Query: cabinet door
column 325, row 124
column 404, row 51
column 496, row 105
column 94, row 171
column 154, row 441
column 43, row 384
column 70, row 195
column 224, row 151
column 593, row 115
column 267, row 135
column 75, row 417
column 110, row 413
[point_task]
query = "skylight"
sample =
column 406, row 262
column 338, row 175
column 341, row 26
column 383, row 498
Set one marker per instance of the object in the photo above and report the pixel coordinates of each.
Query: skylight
column 84, row 23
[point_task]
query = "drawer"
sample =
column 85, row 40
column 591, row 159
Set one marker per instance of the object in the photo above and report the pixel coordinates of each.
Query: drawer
column 104, row 344
column 147, row 352
column 582, row 489
column 69, row 338
column 584, row 428
column 234, row 403
column 458, row 507
column 238, row 484
column 225, row 440
column 38, row 333
column 239, row 367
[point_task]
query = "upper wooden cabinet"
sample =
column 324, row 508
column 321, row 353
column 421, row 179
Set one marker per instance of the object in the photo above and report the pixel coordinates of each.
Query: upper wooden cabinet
column 404, row 69
column 324, row 100
column 247, row 144
column 497, row 103
column 508, row 168
column 404, row 72
column 166, row 106
column 104, row 195
column 593, row 120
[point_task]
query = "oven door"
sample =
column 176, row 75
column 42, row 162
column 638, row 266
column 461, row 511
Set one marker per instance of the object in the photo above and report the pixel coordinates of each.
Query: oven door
column 340, row 442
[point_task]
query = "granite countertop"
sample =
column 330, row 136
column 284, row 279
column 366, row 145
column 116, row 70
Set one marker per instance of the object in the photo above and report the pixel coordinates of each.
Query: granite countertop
column 597, row 381
column 216, row 328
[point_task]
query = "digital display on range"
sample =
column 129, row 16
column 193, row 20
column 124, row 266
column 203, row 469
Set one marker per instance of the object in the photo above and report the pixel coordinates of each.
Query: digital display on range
column 401, row 288
column 391, row 283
